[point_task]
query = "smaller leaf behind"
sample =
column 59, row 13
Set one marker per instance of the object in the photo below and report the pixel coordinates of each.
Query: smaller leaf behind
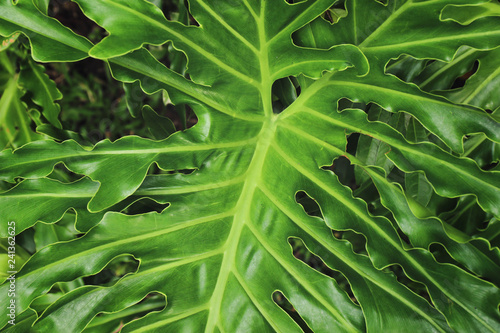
column 43, row 90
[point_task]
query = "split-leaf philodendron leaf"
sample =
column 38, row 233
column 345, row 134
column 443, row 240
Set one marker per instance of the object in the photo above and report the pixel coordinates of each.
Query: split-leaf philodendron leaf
column 222, row 248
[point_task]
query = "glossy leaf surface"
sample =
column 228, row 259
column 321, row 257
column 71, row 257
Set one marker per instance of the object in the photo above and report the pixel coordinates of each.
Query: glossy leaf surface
column 223, row 247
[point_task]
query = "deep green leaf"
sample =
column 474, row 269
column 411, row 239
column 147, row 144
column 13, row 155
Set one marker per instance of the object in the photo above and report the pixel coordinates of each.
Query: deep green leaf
column 466, row 14
column 50, row 40
column 160, row 127
column 44, row 91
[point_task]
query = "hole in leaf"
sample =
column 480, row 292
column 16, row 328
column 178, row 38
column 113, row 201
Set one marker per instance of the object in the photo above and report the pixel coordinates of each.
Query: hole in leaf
column 310, row 205
column 91, row 90
column 490, row 166
column 302, row 253
column 5, row 186
column 442, row 256
column 181, row 115
column 172, row 58
column 41, row 303
column 335, row 13
column 312, row 208
column 342, row 167
column 190, row 18
column 485, row 225
column 460, row 81
column 183, row 171
column 284, row 93
column 63, row 174
column 145, row 205
column 417, row 287
column 70, row 15
column 286, row 306
column 346, row 103
column 396, row 176
column 154, row 169
column 368, row 192
column 25, row 240
column 153, row 302
column 400, row 232
column 113, row 271
column 406, row 67
column 357, row 240
column 173, row 10
column 463, row 214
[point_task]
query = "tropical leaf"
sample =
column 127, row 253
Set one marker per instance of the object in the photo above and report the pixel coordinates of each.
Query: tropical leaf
column 44, row 91
column 15, row 119
column 223, row 247
column 50, row 40
column 41, row 192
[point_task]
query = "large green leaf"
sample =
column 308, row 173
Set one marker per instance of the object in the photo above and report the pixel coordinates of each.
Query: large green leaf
column 41, row 192
column 14, row 117
column 50, row 40
column 222, row 248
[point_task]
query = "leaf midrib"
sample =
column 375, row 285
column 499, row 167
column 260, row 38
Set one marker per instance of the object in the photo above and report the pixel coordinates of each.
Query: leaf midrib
column 144, row 236
column 167, row 149
column 240, row 219
column 254, row 171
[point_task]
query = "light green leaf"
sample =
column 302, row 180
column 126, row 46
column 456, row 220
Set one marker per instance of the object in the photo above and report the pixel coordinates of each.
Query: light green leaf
column 222, row 247
column 40, row 192
column 42, row 5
